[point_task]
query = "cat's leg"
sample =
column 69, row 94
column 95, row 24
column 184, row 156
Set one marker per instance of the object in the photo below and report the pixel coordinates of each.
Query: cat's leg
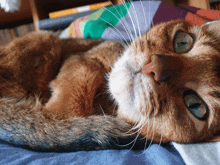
column 79, row 88
column 74, row 89
column 77, row 45
column 28, row 64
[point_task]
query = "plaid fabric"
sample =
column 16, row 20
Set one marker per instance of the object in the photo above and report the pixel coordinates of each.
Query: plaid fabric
column 127, row 21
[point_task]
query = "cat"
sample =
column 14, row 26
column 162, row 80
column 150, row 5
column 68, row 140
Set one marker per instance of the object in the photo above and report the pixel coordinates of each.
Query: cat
column 84, row 94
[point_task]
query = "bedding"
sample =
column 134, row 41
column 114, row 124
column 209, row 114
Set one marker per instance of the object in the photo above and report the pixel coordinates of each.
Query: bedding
column 201, row 153
column 109, row 24
column 154, row 155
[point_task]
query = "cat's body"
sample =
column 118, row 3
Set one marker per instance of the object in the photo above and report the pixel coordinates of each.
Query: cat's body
column 165, row 85
column 65, row 120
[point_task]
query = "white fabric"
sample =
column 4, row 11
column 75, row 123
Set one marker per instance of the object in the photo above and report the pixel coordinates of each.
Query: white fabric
column 10, row 5
column 200, row 153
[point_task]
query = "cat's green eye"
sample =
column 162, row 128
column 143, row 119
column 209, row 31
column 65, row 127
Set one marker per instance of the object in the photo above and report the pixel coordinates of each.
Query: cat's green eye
column 183, row 42
column 195, row 105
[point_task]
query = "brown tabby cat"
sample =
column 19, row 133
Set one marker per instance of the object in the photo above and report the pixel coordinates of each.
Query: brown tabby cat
column 165, row 87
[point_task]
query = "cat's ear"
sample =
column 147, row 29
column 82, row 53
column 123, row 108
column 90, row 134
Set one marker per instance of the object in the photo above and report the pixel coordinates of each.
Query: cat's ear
column 212, row 27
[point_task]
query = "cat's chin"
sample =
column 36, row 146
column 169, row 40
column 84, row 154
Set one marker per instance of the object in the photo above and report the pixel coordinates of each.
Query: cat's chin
column 130, row 89
column 121, row 82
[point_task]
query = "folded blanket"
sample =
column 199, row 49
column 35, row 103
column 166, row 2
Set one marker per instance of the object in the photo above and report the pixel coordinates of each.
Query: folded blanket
column 154, row 155
column 200, row 153
column 128, row 21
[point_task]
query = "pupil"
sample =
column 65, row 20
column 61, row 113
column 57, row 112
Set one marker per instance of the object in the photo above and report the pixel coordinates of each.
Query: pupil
column 196, row 105
column 182, row 44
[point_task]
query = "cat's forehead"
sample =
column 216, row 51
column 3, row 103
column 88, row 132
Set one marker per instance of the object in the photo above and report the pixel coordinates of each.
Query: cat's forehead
column 205, row 46
column 168, row 28
column 166, row 31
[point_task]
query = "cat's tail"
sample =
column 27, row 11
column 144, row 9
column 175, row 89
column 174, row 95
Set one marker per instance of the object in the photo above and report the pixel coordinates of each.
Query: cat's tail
column 24, row 123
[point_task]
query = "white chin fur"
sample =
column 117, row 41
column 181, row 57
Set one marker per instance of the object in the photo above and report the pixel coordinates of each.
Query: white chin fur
column 127, row 89
column 121, row 83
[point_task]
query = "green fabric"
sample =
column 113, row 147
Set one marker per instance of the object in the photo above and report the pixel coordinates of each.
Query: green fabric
column 99, row 21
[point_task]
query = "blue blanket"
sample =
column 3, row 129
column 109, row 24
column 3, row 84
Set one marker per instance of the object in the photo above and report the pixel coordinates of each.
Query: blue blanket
column 154, row 155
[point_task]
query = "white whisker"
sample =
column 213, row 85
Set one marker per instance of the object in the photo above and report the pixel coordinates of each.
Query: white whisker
column 120, row 42
column 116, row 30
column 131, row 130
column 135, row 14
column 145, row 138
column 133, row 141
column 144, row 13
column 150, row 23
column 152, row 137
column 130, row 32
column 114, row 107
column 161, row 137
column 124, row 26
column 102, row 110
column 138, row 127
column 131, row 22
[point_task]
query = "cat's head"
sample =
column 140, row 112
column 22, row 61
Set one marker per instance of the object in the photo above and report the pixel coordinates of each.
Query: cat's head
column 167, row 82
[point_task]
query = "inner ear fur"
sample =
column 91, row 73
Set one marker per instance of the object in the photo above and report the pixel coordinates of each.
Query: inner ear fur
column 212, row 27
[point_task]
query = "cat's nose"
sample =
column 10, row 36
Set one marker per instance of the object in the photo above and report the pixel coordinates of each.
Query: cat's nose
column 158, row 68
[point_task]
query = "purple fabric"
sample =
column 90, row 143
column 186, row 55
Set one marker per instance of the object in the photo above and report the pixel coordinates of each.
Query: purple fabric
column 166, row 13
column 189, row 8
column 139, row 17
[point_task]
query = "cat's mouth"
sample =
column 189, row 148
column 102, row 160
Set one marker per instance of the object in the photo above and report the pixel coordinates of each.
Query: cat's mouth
column 145, row 92
column 139, row 71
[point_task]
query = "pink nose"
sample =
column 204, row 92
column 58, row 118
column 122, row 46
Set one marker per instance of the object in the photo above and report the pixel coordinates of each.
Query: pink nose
column 159, row 68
